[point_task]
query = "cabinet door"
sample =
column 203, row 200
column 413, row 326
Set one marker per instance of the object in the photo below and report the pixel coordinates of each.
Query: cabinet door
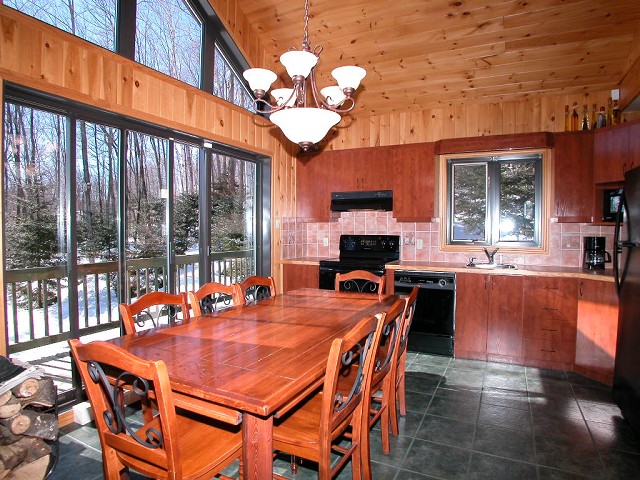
column 299, row 276
column 471, row 315
column 504, row 336
column 313, row 189
column 611, row 153
column 597, row 330
column 549, row 319
column 634, row 147
column 573, row 178
column 414, row 182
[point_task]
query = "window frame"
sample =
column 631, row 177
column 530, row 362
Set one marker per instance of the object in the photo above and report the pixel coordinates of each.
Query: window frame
column 493, row 159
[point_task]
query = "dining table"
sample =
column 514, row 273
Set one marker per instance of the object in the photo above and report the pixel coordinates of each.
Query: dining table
column 252, row 363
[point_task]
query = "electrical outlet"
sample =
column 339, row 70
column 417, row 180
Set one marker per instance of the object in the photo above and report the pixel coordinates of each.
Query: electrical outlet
column 419, row 243
column 325, row 242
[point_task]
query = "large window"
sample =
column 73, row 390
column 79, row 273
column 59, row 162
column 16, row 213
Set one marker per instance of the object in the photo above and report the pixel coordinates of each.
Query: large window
column 93, row 20
column 495, row 200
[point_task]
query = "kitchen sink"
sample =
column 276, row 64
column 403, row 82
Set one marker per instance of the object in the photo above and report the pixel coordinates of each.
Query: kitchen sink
column 493, row 266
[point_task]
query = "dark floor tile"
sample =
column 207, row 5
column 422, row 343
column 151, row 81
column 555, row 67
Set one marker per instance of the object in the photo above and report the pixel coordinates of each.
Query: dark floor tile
column 86, row 434
column 549, row 389
column 505, row 397
column 486, row 467
column 399, row 447
column 417, row 402
column 504, row 442
column 617, row 435
column 577, row 379
column 76, row 461
column 600, row 412
column 466, row 411
column 446, row 431
column 441, row 461
column 459, row 394
column 507, row 381
column 544, row 374
column 505, row 417
column 408, row 425
column 421, row 382
column 546, row 473
column 419, row 359
column 581, row 458
column 593, row 394
column 555, row 407
column 469, row 379
column 505, row 367
column 436, row 370
column 621, row 465
column 569, row 428
column 379, row 471
column 464, row 364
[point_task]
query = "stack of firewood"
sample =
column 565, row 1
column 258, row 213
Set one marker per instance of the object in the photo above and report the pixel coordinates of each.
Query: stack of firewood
column 25, row 428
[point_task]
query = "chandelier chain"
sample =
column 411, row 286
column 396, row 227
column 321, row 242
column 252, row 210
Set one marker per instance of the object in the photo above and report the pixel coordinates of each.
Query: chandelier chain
column 306, row 44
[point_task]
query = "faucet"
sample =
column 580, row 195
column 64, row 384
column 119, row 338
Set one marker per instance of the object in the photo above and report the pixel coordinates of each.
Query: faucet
column 490, row 255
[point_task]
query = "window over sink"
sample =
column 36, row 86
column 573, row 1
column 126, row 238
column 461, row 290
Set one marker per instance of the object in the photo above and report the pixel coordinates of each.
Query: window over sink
column 494, row 198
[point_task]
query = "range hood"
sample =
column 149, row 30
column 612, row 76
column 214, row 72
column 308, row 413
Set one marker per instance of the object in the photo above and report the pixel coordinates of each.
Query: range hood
column 362, row 200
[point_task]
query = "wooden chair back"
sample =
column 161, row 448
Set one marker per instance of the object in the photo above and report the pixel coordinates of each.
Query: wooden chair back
column 388, row 345
column 151, row 449
column 254, row 289
column 152, row 309
column 211, row 297
column 407, row 319
column 360, row 281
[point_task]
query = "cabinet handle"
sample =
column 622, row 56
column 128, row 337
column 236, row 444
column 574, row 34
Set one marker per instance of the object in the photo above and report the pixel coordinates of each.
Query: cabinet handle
column 550, row 288
column 548, row 351
column 581, row 288
column 549, row 308
column 549, row 330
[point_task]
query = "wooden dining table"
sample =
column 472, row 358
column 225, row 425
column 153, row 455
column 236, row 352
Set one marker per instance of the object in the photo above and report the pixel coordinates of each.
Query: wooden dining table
column 251, row 363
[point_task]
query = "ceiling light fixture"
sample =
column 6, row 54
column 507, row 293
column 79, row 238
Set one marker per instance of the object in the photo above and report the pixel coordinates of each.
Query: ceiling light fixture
column 303, row 114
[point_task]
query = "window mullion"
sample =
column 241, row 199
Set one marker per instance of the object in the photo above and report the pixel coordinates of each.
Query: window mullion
column 493, row 201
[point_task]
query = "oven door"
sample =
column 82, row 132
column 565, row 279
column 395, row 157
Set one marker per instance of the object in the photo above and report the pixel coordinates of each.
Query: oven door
column 328, row 272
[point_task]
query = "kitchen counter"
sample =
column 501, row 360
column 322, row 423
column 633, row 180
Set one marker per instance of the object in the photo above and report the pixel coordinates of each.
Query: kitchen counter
column 529, row 270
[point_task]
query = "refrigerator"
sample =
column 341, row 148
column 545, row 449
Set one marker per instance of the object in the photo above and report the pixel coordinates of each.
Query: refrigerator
column 626, row 382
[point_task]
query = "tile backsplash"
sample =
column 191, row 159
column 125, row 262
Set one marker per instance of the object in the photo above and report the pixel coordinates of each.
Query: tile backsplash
column 421, row 240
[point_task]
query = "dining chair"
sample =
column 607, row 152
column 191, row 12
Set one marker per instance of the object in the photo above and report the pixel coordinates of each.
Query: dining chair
column 360, row 281
column 211, row 297
column 397, row 392
column 377, row 402
column 172, row 444
column 254, row 289
column 312, row 429
column 151, row 308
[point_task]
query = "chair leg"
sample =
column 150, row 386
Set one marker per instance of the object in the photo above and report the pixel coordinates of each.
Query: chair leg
column 294, row 464
column 393, row 406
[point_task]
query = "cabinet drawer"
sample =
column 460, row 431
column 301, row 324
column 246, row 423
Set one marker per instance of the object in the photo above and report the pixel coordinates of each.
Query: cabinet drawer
column 549, row 327
column 549, row 349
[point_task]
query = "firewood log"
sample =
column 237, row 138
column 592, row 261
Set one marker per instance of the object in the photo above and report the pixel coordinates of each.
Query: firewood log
column 13, row 455
column 7, row 437
column 43, row 396
column 27, row 388
column 38, row 449
column 10, row 408
column 5, row 397
column 30, row 470
column 33, row 423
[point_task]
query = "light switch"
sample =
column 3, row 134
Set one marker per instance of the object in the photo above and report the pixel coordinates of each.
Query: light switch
column 419, row 243
column 325, row 242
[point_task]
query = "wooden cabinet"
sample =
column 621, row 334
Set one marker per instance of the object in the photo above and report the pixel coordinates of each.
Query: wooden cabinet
column 634, row 146
column 504, row 332
column 597, row 331
column 549, row 320
column 611, row 153
column 471, row 316
column 414, row 182
column 299, row 276
column 488, row 316
column 573, row 177
column 313, row 188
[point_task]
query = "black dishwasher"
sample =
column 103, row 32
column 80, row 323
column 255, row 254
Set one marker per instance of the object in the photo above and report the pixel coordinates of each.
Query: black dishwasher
column 432, row 330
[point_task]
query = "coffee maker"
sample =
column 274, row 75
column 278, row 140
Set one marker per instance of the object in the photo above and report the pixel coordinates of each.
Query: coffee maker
column 595, row 256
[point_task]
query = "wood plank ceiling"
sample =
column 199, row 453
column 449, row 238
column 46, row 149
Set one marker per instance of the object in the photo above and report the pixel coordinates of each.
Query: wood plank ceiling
column 422, row 54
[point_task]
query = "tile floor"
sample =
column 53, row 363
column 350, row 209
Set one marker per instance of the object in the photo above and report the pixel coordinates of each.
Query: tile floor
column 470, row 420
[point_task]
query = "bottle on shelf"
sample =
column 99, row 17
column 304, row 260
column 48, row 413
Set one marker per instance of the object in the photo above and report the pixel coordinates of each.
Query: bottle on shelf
column 617, row 114
column 585, row 118
column 610, row 117
column 567, row 119
column 575, row 118
column 602, row 118
column 594, row 116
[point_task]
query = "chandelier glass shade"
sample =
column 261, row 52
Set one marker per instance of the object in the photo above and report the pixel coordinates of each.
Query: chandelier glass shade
column 304, row 114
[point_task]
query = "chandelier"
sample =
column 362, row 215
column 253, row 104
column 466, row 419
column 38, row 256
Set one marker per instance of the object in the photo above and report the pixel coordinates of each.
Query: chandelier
column 303, row 114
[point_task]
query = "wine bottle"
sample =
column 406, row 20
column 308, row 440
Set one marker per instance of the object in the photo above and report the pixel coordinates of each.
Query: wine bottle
column 617, row 114
column 610, row 119
column 602, row 118
column 585, row 117
column 567, row 119
column 575, row 118
column 594, row 117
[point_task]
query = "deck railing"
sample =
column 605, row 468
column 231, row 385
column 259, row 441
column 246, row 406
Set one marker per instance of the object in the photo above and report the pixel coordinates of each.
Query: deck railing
column 37, row 299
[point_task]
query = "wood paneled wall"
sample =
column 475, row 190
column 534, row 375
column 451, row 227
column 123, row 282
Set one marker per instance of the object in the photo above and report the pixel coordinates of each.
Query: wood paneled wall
column 539, row 114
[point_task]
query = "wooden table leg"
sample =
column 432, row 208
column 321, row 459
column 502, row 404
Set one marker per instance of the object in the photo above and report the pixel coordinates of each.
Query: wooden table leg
column 257, row 450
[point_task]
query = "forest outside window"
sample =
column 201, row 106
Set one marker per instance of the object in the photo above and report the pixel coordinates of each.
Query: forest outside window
column 495, row 200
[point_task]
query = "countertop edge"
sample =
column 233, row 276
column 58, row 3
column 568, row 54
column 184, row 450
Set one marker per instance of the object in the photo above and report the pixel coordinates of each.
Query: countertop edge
column 534, row 271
